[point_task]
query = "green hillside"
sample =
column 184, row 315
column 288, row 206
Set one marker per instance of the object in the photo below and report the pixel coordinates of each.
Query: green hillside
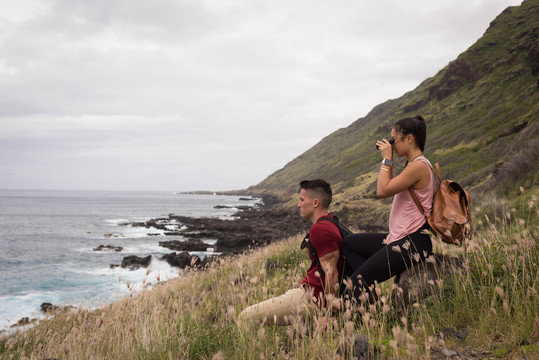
column 482, row 114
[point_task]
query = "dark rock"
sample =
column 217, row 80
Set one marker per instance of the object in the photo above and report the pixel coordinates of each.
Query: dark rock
column 459, row 73
column 160, row 224
column 132, row 224
column 235, row 241
column 156, row 224
column 108, row 247
column 48, row 308
column 209, row 260
column 173, row 233
column 533, row 57
column 188, row 245
column 419, row 281
column 23, row 321
column 362, row 349
column 415, row 106
column 449, row 332
column 196, row 234
column 134, row 262
column 222, row 207
column 244, row 207
column 181, row 260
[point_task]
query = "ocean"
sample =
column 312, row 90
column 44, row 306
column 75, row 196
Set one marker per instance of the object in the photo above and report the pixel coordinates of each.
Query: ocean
column 47, row 241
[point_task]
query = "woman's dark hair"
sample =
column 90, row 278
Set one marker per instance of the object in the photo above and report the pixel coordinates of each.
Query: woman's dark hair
column 415, row 126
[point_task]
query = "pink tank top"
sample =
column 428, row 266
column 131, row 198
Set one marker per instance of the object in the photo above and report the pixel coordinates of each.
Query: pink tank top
column 405, row 218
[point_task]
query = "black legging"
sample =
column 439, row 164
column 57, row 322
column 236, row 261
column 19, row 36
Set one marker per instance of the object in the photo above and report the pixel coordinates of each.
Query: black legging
column 371, row 260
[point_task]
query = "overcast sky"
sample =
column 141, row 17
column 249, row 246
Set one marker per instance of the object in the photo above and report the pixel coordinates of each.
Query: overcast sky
column 187, row 95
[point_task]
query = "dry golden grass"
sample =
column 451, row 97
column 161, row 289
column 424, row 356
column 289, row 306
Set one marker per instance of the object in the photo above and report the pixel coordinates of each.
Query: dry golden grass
column 493, row 300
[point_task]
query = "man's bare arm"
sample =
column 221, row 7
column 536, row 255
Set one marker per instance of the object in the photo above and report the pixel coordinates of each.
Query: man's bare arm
column 329, row 266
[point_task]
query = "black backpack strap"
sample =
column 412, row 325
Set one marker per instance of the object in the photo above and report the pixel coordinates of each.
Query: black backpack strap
column 334, row 220
column 343, row 230
column 306, row 243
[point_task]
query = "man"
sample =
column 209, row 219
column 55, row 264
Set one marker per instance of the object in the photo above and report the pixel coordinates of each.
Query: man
column 318, row 284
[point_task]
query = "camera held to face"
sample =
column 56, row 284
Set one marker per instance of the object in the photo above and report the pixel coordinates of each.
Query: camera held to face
column 390, row 140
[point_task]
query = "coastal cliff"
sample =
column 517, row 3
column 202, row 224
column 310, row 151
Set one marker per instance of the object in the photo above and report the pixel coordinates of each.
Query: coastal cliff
column 482, row 113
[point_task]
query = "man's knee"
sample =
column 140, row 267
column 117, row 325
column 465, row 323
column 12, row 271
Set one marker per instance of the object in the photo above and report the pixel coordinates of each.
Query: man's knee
column 280, row 310
column 250, row 314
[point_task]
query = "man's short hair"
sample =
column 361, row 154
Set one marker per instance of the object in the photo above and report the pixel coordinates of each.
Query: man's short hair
column 320, row 189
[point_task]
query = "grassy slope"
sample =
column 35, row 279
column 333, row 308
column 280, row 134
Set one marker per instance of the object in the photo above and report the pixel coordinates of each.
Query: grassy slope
column 482, row 112
column 491, row 308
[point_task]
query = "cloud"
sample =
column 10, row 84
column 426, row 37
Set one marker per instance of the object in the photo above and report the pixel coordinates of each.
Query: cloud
column 110, row 94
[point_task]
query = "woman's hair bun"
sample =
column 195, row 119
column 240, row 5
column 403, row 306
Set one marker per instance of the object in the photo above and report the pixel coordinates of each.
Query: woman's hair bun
column 413, row 125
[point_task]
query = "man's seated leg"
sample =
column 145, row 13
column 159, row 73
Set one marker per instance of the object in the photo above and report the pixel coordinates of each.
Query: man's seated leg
column 295, row 302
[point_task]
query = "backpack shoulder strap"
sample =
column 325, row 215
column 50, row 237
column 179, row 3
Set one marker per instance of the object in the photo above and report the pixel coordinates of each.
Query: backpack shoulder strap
column 412, row 192
column 333, row 219
column 306, row 243
column 416, row 200
column 435, row 168
column 437, row 171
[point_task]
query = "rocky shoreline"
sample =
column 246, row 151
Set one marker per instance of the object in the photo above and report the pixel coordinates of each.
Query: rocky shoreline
column 251, row 227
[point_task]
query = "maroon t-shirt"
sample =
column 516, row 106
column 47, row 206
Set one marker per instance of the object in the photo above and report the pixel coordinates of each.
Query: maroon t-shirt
column 325, row 238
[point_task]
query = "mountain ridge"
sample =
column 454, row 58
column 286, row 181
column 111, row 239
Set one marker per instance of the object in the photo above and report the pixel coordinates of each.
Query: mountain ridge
column 481, row 112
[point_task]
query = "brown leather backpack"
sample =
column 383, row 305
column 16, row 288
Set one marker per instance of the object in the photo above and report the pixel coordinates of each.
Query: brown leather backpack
column 451, row 219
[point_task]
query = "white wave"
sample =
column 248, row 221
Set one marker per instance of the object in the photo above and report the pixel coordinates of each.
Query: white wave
column 202, row 255
column 175, row 227
column 118, row 283
column 14, row 308
column 112, row 272
column 137, row 280
column 138, row 232
column 133, row 232
column 145, row 248
column 157, row 269
column 116, row 221
column 90, row 250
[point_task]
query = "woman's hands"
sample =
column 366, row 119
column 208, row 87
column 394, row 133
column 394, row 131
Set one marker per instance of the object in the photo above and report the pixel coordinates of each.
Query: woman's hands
column 386, row 149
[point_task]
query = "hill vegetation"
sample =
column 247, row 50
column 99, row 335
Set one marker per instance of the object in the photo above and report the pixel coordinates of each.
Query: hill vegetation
column 489, row 310
column 482, row 113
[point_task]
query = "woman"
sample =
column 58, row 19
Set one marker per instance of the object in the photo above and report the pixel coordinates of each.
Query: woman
column 376, row 257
